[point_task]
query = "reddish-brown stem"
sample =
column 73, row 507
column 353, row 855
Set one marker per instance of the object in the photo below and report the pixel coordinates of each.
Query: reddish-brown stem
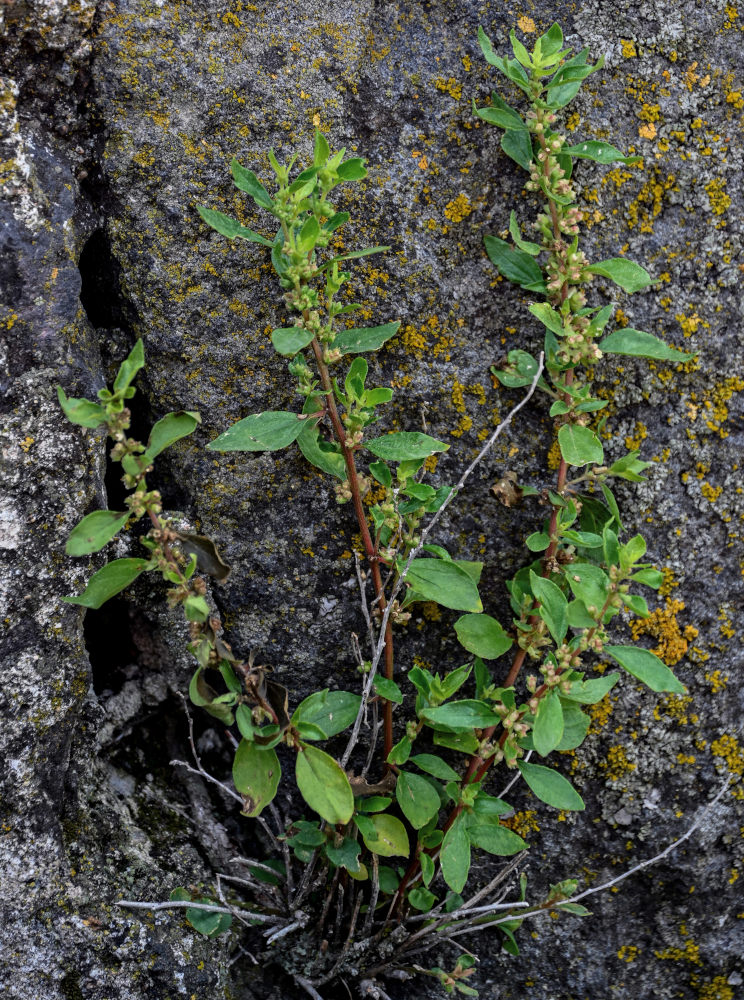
column 369, row 546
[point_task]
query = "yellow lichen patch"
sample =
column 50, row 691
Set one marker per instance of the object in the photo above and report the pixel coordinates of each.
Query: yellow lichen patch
column 617, row 763
column 647, row 131
column 600, row 714
column 633, row 441
column 26, row 443
column 414, row 341
column 649, row 201
column 718, row 199
column 727, row 750
column 628, row 953
column 629, row 48
column 676, row 707
column 526, row 24
column 449, row 86
column 458, row 209
column 717, row 681
column 663, row 626
column 690, row 953
column 554, row 455
column 716, row 989
column 734, row 97
column 523, row 822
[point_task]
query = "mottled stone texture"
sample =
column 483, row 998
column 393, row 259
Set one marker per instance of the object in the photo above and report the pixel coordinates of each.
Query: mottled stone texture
column 119, row 118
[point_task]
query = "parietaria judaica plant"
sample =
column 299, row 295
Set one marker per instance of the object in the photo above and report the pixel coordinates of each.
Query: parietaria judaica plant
column 384, row 856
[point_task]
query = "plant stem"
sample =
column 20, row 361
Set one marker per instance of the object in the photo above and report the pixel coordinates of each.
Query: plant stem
column 369, row 546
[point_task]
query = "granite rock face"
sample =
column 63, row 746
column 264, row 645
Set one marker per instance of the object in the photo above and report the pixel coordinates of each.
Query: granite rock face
column 118, row 119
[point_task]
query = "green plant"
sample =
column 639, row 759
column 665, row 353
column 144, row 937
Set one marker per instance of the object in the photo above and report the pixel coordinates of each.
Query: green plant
column 429, row 809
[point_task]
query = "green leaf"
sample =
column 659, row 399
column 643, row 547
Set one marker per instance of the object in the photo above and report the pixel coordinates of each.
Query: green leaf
column 109, row 581
column 464, row 742
column 482, row 635
column 417, row 799
column 94, row 531
column 518, row 147
column 455, row 855
column 256, row 773
column 324, row 786
column 400, row 752
column 600, row 152
column 547, row 730
column 266, row 431
column 647, row 667
column 345, row 856
column 324, row 455
column 358, row 340
column 402, row 446
column 246, row 180
column 209, row 924
column 83, row 412
column 589, row 583
column 548, row 317
column 637, row 344
column 551, row 41
column 488, row 806
column 575, row 727
column 494, row 838
column 444, row 582
column 461, row 715
column 631, row 277
column 500, row 114
column 388, row 689
column 422, row 899
column 579, row 445
column 330, row 711
column 592, row 691
column 208, row 558
column 289, row 340
column 129, row 367
column 321, row 150
column 533, row 249
column 551, row 787
column 435, row 766
column 353, row 255
column 352, row 170
column 308, row 234
column 227, row 226
column 515, row 265
column 385, row 835
column 169, row 429
column 553, row 606
column 649, row 578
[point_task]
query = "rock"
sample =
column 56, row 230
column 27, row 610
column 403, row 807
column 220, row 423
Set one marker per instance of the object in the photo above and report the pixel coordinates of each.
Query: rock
column 119, row 119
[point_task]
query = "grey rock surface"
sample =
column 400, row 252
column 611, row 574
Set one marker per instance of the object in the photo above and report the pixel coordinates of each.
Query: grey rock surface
column 118, row 119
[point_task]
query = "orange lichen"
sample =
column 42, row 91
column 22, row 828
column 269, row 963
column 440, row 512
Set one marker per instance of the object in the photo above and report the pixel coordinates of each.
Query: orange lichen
column 663, row 626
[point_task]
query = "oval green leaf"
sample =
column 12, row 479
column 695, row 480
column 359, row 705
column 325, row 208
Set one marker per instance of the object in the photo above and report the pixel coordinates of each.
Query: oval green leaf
column 579, row 445
column 551, row 787
column 330, row 711
column 435, row 766
column 171, row 428
column 256, row 773
column 547, row 730
column 109, row 581
column 444, row 582
column 417, row 799
column 227, row 226
column 358, row 340
column 404, row 446
column 631, row 277
column 324, row 786
column 638, row 344
column 455, row 855
column 290, row 339
column 647, row 667
column 600, row 152
column 385, row 835
column 494, row 838
column 461, row 716
column 83, row 412
column 266, row 431
column 482, row 635
column 94, row 531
